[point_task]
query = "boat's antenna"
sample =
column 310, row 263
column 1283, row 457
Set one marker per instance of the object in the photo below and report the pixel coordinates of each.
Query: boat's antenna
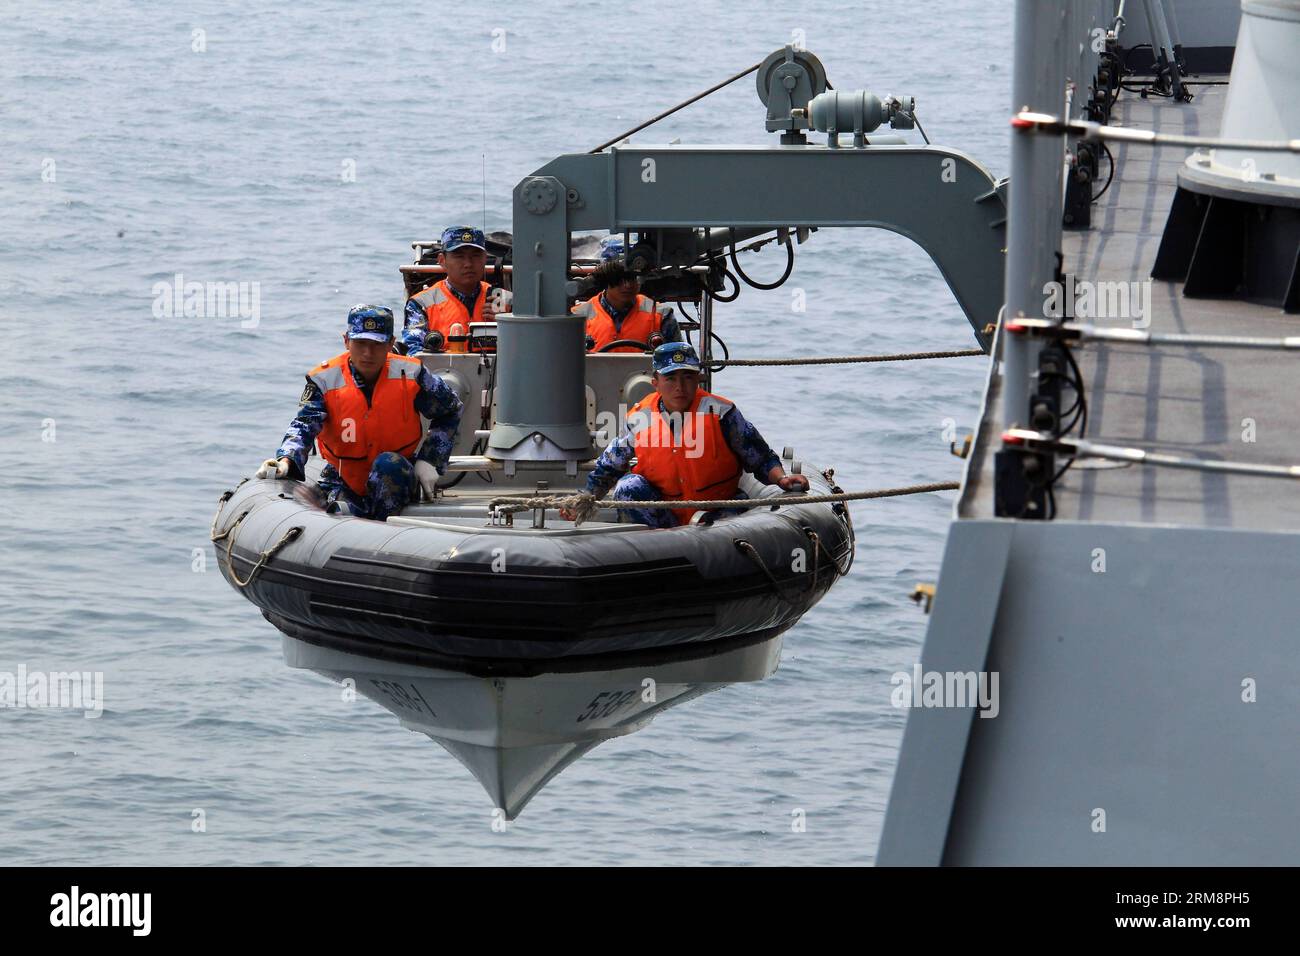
column 484, row 155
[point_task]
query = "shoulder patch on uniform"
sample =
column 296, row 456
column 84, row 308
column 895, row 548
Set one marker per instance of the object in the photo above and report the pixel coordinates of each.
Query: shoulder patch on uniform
column 308, row 393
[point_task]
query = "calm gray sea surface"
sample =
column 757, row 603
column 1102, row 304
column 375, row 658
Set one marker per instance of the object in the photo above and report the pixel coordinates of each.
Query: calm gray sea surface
column 128, row 156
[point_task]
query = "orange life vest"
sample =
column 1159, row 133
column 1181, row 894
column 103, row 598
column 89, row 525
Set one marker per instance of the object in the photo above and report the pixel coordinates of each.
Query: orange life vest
column 643, row 321
column 355, row 434
column 693, row 462
column 442, row 309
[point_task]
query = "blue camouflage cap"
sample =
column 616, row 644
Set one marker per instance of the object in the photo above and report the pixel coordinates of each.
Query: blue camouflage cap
column 372, row 322
column 611, row 247
column 454, row 237
column 673, row 356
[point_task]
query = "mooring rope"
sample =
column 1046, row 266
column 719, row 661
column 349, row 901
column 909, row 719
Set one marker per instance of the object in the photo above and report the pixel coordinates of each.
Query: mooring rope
column 212, row 532
column 851, row 359
column 747, row 549
column 584, row 505
column 819, row 549
column 267, row 555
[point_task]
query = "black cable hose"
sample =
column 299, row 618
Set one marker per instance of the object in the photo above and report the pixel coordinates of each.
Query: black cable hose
column 1066, row 467
column 1083, row 401
column 1077, row 407
column 1109, row 176
column 1160, row 75
column 1073, row 387
column 920, row 128
column 1133, row 49
column 724, row 298
column 765, row 286
column 461, row 477
column 1059, row 472
column 709, row 255
column 1075, row 411
column 1148, row 90
column 1081, row 418
column 726, row 352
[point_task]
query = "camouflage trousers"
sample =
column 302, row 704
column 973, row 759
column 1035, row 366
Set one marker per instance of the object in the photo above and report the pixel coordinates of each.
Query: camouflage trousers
column 389, row 488
column 634, row 487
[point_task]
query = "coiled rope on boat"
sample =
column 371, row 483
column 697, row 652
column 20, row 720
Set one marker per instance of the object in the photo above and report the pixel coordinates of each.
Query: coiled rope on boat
column 229, row 536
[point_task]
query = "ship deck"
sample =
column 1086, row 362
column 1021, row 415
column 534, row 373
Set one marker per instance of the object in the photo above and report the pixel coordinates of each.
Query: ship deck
column 1186, row 401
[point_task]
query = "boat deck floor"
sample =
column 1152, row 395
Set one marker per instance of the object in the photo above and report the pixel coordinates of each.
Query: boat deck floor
column 1184, row 401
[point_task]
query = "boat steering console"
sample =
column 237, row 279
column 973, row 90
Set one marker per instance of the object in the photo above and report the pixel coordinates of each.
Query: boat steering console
column 656, row 340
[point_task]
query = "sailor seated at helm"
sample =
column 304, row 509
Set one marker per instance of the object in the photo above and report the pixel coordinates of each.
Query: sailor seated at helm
column 451, row 304
column 363, row 408
column 619, row 311
column 688, row 444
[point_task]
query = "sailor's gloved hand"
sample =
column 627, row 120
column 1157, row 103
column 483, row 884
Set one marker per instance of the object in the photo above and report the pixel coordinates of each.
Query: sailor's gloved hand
column 274, row 468
column 427, row 475
column 793, row 483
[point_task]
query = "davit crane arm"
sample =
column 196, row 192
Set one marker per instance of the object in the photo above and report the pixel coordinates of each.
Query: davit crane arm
column 691, row 202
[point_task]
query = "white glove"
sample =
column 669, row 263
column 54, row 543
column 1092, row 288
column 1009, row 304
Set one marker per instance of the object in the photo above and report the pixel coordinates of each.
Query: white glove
column 427, row 475
column 274, row 468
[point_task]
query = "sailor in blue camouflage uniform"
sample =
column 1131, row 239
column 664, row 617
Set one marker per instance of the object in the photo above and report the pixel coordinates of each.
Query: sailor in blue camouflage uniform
column 618, row 310
column 394, row 478
column 461, row 297
column 676, row 377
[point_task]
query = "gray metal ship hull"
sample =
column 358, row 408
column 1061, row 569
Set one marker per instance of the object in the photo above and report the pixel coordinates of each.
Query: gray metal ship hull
column 1146, row 714
column 1144, row 638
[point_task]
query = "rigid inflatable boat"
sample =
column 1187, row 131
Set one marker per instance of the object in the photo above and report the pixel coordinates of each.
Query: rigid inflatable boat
column 520, row 641
column 450, row 584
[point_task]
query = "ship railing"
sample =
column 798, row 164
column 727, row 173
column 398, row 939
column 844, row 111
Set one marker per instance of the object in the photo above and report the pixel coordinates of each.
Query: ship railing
column 1055, row 56
column 1044, row 443
column 1073, row 332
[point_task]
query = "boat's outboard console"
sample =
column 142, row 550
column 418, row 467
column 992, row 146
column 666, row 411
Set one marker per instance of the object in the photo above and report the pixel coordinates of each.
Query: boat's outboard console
column 615, row 381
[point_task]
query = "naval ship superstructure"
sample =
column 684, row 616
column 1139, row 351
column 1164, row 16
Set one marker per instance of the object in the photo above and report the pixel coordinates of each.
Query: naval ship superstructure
column 1125, row 548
